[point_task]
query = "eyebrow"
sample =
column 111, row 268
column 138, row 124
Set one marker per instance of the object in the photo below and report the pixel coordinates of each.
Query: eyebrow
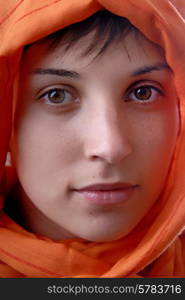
column 73, row 74
column 58, row 72
column 149, row 69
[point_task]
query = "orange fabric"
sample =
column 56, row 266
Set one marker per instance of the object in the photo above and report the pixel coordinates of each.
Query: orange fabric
column 156, row 247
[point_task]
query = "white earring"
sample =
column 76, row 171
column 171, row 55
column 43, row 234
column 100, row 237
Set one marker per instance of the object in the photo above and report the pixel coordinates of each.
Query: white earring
column 8, row 159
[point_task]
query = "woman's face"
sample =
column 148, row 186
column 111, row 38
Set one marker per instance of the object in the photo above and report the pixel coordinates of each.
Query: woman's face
column 93, row 139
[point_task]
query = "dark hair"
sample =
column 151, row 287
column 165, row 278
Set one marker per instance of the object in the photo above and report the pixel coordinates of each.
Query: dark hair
column 107, row 27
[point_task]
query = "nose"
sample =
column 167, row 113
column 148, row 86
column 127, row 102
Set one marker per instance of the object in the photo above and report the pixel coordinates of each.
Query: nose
column 107, row 137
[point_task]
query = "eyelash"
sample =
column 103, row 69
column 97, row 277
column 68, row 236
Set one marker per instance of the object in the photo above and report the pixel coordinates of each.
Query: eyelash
column 133, row 89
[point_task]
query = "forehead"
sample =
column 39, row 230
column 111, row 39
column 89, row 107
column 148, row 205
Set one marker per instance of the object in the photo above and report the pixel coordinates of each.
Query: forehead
column 132, row 50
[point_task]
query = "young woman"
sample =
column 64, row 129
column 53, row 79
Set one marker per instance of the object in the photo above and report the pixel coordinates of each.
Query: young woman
column 95, row 185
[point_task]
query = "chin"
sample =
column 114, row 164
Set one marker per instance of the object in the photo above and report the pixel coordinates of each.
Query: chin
column 102, row 237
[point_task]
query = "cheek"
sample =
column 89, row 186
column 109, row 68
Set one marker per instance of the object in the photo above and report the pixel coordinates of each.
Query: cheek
column 46, row 151
column 42, row 136
column 155, row 143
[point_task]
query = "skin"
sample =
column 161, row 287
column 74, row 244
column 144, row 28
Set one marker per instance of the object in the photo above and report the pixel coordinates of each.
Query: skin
column 101, row 133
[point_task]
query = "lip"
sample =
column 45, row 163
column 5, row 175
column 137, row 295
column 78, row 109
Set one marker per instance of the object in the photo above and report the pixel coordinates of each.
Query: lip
column 106, row 194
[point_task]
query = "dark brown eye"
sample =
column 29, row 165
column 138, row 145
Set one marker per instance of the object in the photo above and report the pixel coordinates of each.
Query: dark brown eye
column 143, row 93
column 57, row 97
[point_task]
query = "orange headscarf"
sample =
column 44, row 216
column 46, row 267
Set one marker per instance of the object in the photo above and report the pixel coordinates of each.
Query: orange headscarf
column 156, row 247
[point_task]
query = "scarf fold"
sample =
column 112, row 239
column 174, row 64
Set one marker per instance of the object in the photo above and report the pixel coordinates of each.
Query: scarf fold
column 156, row 247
